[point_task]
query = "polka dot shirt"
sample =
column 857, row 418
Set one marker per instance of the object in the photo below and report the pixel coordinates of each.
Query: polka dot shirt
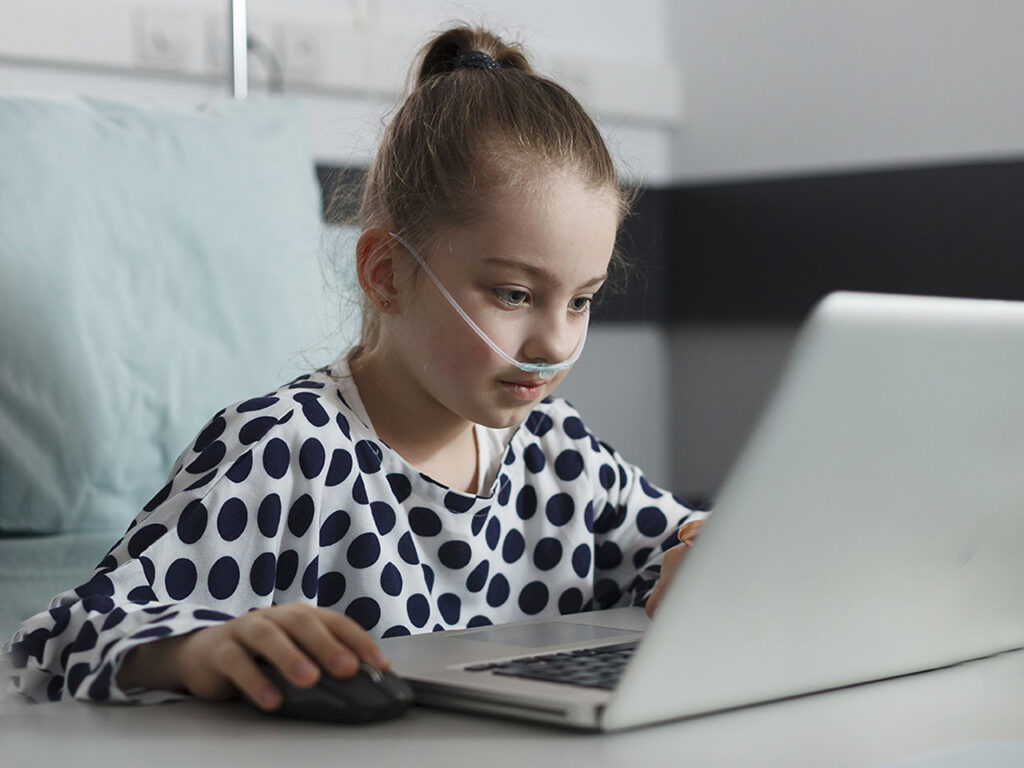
column 292, row 497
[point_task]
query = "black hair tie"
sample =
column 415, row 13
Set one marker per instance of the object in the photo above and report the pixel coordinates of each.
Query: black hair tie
column 474, row 60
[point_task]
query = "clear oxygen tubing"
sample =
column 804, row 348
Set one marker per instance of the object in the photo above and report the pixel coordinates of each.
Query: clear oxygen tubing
column 543, row 370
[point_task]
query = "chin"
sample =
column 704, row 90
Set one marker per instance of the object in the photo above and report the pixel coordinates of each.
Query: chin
column 507, row 417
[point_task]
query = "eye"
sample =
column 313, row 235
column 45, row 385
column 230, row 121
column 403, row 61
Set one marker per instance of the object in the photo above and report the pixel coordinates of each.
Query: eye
column 513, row 297
column 581, row 304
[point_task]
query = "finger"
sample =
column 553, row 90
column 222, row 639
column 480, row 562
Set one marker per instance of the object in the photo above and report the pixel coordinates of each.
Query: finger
column 652, row 603
column 690, row 529
column 261, row 634
column 310, row 629
column 669, row 563
column 655, row 598
column 669, row 566
column 355, row 638
column 237, row 665
column 688, row 532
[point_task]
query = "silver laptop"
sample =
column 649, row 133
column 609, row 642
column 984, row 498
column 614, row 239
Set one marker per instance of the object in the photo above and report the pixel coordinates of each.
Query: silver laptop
column 873, row 527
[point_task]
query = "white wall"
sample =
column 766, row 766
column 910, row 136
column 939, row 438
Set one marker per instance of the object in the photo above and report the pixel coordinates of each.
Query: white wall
column 796, row 86
column 347, row 60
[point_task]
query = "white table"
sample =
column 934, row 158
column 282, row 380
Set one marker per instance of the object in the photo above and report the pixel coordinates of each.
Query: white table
column 943, row 719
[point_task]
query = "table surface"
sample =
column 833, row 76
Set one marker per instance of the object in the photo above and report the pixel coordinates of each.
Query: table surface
column 968, row 715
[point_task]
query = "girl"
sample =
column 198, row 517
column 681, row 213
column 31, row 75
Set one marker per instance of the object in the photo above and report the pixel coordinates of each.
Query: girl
column 423, row 482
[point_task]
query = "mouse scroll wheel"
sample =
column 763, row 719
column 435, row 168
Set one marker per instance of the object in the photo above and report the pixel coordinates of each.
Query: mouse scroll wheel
column 372, row 672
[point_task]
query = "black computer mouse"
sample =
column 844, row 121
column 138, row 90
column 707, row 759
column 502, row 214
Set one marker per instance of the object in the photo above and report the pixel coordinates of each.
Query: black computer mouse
column 366, row 697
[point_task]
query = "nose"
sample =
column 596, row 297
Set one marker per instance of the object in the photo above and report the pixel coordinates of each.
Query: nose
column 552, row 340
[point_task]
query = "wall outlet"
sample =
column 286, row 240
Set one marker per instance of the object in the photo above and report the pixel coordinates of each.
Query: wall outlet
column 164, row 39
column 300, row 48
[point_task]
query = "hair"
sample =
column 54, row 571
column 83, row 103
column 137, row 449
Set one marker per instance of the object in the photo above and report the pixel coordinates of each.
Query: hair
column 464, row 131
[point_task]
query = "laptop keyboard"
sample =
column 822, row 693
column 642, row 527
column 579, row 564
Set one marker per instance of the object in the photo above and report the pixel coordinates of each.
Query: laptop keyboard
column 589, row 668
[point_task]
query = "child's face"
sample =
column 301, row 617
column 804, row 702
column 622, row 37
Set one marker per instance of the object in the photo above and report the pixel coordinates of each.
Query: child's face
column 525, row 272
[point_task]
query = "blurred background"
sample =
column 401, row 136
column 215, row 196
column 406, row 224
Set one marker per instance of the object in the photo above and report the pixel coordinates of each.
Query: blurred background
column 783, row 150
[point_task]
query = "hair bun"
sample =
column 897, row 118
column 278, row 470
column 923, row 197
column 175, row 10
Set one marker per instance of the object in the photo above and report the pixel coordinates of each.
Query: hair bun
column 468, row 47
column 475, row 60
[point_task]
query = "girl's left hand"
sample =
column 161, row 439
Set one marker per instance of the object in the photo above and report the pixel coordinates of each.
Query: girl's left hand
column 687, row 535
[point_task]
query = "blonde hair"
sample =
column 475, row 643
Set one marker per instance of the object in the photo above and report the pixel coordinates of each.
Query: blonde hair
column 464, row 131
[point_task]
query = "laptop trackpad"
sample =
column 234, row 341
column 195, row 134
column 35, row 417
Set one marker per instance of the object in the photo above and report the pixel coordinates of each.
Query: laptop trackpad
column 545, row 633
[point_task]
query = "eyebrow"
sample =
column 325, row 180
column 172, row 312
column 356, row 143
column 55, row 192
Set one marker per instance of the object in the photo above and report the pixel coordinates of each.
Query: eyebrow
column 539, row 272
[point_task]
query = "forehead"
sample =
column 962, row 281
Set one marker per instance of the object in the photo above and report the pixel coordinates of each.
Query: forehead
column 555, row 222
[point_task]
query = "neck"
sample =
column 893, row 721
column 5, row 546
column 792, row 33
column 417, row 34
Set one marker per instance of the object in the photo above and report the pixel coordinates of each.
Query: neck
column 437, row 442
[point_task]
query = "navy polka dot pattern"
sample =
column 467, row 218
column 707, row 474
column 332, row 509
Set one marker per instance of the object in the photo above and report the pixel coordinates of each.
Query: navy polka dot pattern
column 291, row 496
column 534, row 458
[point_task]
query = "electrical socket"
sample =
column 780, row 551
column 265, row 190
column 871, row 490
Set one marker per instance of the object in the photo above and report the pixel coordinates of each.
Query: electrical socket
column 163, row 38
column 301, row 51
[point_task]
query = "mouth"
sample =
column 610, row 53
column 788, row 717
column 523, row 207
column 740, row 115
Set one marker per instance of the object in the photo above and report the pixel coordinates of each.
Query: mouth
column 524, row 390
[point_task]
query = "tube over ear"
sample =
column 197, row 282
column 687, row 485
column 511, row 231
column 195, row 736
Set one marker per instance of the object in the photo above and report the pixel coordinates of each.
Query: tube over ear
column 375, row 268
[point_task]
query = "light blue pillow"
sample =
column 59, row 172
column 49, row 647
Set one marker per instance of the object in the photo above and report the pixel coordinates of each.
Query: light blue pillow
column 155, row 266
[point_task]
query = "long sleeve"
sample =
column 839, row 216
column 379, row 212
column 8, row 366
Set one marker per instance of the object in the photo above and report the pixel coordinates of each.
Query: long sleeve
column 184, row 563
column 633, row 522
column 637, row 525
column 625, row 523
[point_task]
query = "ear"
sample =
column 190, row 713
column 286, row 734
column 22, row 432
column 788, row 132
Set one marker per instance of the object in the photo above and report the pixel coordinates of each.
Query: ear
column 375, row 268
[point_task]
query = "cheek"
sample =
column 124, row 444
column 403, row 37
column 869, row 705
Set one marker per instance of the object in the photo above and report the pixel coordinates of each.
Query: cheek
column 455, row 349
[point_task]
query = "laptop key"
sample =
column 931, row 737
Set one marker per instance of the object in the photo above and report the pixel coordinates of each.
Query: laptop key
column 599, row 667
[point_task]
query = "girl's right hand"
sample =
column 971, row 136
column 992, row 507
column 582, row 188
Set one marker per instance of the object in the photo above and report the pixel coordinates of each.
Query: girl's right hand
column 218, row 662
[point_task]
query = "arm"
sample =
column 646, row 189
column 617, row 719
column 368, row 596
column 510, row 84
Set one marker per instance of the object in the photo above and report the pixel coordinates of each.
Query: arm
column 647, row 525
column 673, row 558
column 218, row 541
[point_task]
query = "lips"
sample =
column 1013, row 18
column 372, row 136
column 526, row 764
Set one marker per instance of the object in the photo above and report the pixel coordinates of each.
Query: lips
column 527, row 390
column 531, row 382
